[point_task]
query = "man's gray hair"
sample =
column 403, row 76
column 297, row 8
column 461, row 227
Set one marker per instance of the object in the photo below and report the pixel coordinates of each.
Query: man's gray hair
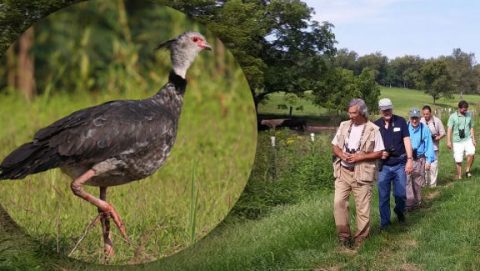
column 362, row 106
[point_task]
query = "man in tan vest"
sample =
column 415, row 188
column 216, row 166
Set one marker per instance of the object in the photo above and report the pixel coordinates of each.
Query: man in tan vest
column 356, row 145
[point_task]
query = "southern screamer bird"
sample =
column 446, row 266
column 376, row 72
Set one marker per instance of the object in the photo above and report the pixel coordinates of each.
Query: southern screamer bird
column 113, row 143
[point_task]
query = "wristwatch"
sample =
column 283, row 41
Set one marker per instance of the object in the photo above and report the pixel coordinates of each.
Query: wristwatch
column 409, row 157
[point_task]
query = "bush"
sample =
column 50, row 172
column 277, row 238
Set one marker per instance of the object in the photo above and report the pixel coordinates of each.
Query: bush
column 295, row 168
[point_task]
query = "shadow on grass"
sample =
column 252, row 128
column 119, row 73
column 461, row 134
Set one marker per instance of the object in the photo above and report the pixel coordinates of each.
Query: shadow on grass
column 18, row 251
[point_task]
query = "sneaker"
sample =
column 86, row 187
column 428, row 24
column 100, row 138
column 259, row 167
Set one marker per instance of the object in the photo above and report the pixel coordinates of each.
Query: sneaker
column 345, row 243
column 468, row 174
column 358, row 243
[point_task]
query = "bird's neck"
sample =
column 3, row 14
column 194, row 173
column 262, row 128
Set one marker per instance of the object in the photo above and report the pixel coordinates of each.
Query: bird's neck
column 180, row 70
column 181, row 61
column 171, row 95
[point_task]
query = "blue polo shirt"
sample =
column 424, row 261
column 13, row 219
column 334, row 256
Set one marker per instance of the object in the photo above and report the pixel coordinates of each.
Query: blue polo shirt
column 393, row 139
column 421, row 139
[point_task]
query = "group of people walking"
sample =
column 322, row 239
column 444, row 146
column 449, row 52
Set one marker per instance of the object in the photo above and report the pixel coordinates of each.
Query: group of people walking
column 395, row 152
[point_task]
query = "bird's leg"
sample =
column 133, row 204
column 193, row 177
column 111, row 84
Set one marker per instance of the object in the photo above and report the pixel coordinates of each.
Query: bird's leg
column 105, row 207
column 105, row 219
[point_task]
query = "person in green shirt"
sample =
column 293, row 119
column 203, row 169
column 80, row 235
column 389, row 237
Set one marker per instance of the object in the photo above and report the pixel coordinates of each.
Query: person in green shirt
column 460, row 129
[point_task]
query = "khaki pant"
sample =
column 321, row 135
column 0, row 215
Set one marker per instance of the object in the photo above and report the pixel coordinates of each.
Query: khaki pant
column 362, row 193
column 415, row 181
column 431, row 179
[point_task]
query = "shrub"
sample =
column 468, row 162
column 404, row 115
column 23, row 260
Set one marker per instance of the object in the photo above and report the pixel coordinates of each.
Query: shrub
column 284, row 174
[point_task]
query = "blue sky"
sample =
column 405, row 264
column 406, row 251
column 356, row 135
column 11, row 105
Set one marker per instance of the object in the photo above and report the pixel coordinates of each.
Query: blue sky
column 428, row 28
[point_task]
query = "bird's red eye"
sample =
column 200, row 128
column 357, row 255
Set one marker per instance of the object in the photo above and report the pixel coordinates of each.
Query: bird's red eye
column 195, row 39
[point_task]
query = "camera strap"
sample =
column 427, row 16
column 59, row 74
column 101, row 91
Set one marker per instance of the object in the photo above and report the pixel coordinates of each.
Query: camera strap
column 464, row 123
column 421, row 136
column 434, row 126
column 345, row 144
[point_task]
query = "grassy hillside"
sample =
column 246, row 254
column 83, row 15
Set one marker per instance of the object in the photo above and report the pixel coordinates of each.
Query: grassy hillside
column 272, row 105
column 403, row 99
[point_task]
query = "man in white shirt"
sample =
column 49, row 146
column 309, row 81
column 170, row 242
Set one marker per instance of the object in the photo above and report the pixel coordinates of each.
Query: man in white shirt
column 357, row 145
column 438, row 132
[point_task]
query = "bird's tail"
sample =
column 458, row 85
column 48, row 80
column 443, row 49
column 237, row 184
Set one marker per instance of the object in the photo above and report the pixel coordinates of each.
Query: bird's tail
column 28, row 159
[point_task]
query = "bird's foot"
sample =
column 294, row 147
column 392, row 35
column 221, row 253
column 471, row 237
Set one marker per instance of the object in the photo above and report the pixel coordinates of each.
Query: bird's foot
column 110, row 211
column 108, row 252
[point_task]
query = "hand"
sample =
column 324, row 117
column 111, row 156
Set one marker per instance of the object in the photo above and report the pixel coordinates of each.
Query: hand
column 344, row 156
column 474, row 142
column 384, row 155
column 427, row 166
column 354, row 157
column 449, row 145
column 409, row 166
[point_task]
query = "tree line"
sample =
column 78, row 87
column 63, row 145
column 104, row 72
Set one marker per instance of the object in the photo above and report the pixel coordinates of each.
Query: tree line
column 439, row 77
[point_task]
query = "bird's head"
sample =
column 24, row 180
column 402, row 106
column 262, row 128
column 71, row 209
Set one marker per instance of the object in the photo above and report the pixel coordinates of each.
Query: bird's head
column 184, row 49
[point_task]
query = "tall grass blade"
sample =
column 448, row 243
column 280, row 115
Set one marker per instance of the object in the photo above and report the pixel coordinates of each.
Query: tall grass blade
column 193, row 204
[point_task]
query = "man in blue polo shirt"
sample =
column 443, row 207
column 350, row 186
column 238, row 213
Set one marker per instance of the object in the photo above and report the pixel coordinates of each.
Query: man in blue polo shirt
column 396, row 162
column 423, row 157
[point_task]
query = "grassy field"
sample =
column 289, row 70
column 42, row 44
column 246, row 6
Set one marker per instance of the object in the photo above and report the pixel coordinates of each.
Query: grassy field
column 284, row 221
column 442, row 235
column 271, row 106
column 403, row 100
column 202, row 179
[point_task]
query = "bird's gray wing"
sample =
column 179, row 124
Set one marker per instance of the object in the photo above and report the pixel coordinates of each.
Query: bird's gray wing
column 105, row 131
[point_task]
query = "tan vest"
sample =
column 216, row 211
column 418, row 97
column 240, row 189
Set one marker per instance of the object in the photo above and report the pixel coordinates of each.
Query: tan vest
column 365, row 171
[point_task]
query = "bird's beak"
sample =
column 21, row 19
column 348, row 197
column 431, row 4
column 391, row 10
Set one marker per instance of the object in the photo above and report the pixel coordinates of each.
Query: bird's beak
column 206, row 46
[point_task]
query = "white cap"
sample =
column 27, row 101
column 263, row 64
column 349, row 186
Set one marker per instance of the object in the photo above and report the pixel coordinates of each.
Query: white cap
column 385, row 104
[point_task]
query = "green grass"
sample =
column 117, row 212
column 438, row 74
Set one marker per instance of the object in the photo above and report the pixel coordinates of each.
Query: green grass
column 403, row 100
column 300, row 235
column 296, row 231
column 163, row 213
column 270, row 106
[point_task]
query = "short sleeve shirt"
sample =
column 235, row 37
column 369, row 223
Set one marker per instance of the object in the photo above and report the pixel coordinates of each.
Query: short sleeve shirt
column 436, row 128
column 393, row 139
column 457, row 122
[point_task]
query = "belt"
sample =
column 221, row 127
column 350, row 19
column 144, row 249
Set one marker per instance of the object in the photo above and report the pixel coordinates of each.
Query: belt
column 349, row 168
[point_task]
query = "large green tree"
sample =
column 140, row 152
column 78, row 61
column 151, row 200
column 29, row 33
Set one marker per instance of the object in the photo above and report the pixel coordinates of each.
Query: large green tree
column 278, row 45
column 341, row 85
column 346, row 59
column 435, row 79
column 404, row 71
column 377, row 63
column 460, row 66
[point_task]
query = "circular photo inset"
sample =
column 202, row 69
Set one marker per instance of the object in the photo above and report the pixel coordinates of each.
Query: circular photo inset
column 128, row 131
